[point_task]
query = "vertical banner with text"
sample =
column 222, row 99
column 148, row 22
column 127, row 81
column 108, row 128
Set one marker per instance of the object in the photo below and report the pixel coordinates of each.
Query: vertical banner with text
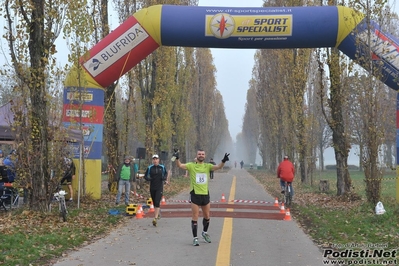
column 84, row 109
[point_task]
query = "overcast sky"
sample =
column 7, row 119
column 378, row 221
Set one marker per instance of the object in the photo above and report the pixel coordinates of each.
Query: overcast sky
column 234, row 70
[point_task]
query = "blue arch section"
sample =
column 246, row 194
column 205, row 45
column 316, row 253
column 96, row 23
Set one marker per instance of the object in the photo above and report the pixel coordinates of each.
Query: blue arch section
column 272, row 28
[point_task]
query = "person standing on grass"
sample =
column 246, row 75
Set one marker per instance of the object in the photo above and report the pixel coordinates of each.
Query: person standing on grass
column 3, row 172
column 133, row 185
column 286, row 173
column 125, row 175
column 69, row 175
column 199, row 173
column 156, row 173
column 211, row 172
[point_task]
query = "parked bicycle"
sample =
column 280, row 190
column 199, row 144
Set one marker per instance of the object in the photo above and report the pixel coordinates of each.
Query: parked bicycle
column 9, row 196
column 287, row 196
column 59, row 196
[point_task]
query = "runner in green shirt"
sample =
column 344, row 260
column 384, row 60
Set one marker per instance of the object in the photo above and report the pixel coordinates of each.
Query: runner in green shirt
column 199, row 175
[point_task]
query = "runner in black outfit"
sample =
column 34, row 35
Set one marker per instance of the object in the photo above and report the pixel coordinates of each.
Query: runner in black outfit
column 156, row 173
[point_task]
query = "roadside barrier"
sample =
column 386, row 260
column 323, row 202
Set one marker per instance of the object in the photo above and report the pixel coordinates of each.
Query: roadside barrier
column 137, row 195
column 252, row 201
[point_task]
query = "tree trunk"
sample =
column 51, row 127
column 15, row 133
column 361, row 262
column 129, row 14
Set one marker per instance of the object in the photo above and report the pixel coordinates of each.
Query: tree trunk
column 39, row 118
column 111, row 135
column 343, row 177
column 361, row 157
column 337, row 124
column 321, row 156
column 341, row 147
column 302, row 152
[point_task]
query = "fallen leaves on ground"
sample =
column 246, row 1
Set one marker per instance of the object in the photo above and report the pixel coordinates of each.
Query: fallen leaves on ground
column 301, row 197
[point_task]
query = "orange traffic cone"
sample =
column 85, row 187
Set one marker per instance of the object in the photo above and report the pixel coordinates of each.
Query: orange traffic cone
column 151, row 208
column 276, row 202
column 163, row 201
column 223, row 198
column 139, row 213
column 287, row 216
column 142, row 211
column 282, row 209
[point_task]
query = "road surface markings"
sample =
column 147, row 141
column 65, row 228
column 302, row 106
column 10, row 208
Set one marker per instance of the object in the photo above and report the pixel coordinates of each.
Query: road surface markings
column 224, row 250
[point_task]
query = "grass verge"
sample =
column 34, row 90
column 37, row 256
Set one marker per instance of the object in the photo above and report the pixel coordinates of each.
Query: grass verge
column 35, row 238
column 347, row 221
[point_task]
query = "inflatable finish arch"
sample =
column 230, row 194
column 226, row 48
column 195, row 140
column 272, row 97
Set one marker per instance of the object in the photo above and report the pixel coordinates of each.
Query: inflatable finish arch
column 217, row 27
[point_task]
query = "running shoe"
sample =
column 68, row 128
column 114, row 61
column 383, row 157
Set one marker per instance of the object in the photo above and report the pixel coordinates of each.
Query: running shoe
column 154, row 222
column 206, row 237
column 195, row 241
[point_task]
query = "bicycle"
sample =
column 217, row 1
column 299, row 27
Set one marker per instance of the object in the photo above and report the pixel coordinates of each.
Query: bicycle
column 287, row 196
column 9, row 196
column 59, row 196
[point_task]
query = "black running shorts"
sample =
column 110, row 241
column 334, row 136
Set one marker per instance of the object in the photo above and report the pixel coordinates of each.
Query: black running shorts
column 200, row 200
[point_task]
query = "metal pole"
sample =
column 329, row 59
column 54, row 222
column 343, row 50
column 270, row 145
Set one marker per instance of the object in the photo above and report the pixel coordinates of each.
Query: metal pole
column 397, row 146
column 80, row 171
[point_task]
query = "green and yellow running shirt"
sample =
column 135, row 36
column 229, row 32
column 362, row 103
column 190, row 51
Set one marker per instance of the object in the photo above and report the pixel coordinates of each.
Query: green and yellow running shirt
column 199, row 173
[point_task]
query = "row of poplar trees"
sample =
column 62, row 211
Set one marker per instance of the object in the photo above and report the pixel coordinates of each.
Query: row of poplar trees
column 302, row 101
column 169, row 100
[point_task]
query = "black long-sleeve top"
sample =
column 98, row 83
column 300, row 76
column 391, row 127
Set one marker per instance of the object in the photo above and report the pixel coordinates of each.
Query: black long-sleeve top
column 156, row 174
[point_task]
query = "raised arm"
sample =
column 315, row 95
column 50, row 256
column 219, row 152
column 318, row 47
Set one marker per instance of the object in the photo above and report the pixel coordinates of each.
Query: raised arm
column 178, row 163
column 221, row 164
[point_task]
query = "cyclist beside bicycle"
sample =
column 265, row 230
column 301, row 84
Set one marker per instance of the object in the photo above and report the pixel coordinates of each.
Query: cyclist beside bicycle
column 286, row 173
column 68, row 175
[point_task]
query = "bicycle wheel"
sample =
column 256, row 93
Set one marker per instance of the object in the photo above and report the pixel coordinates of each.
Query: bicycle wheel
column 285, row 199
column 287, row 196
column 5, row 202
column 288, row 199
column 63, row 211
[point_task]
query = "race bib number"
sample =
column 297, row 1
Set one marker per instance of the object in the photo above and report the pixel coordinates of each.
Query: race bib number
column 200, row 178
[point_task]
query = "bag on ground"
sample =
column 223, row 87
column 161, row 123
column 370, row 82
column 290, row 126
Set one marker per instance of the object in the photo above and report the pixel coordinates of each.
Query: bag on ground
column 379, row 208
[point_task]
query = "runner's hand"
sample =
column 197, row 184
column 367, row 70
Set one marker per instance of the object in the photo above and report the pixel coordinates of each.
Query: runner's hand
column 176, row 154
column 226, row 157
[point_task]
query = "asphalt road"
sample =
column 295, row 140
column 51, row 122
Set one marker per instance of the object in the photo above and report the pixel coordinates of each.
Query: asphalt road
column 252, row 234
